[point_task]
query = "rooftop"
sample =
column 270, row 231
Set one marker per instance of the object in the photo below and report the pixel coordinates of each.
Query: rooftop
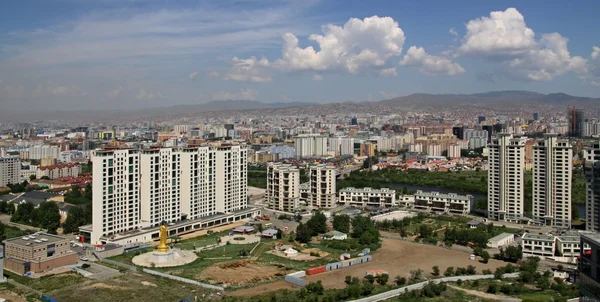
column 538, row 237
column 367, row 189
column 501, row 236
column 442, row 195
column 38, row 238
column 593, row 237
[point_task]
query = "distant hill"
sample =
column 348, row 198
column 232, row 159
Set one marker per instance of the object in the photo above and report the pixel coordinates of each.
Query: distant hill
column 508, row 97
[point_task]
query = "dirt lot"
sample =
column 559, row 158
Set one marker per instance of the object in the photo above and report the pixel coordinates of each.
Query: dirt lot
column 240, row 272
column 397, row 257
column 400, row 257
column 11, row 296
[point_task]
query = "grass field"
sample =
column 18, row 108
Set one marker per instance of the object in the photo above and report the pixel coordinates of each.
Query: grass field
column 48, row 283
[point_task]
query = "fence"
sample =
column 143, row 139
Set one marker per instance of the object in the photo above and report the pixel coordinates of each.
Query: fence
column 402, row 290
column 180, row 279
column 296, row 278
column 119, row 264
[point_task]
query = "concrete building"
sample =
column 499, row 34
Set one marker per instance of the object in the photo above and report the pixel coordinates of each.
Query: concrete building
column 283, row 187
column 37, row 253
column 501, row 240
column 58, row 171
column 367, row 149
column 305, row 193
column 454, row 151
column 43, row 151
column 310, row 145
column 538, row 245
column 589, row 268
column 444, row 203
column 591, row 169
column 367, row 197
column 506, row 178
column 552, row 182
column 47, row 161
column 341, row 145
column 10, row 170
column 322, row 186
column 136, row 189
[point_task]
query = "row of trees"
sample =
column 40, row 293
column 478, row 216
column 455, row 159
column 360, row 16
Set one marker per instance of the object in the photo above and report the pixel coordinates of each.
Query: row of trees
column 362, row 231
column 477, row 236
column 46, row 215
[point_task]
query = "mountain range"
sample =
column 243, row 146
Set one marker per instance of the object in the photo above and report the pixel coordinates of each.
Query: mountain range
column 493, row 100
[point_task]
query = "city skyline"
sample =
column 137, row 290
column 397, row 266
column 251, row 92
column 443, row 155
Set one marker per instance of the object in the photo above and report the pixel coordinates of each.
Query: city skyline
column 70, row 55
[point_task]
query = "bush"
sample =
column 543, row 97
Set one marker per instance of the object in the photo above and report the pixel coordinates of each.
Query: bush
column 400, row 280
column 492, row 288
column 315, row 254
column 449, row 272
column 435, row 270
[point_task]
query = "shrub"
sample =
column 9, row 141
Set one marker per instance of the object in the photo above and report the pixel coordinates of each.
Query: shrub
column 400, row 280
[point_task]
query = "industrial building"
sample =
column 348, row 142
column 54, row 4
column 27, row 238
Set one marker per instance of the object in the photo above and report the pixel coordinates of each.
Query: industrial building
column 367, row 197
column 37, row 253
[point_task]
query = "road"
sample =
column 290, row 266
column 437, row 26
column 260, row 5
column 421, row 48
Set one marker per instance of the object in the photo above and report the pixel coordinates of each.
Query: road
column 99, row 272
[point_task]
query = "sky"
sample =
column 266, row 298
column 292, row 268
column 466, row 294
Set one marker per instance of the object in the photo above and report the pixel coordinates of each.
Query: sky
column 128, row 54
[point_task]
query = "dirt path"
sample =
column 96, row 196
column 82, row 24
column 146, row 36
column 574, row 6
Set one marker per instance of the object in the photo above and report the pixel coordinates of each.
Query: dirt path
column 483, row 295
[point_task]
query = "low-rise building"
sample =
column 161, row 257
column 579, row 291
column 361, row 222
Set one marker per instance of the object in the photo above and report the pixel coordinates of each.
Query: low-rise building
column 445, row 203
column 37, row 253
column 335, row 235
column 58, row 171
column 503, row 239
column 538, row 245
column 365, row 197
column 569, row 245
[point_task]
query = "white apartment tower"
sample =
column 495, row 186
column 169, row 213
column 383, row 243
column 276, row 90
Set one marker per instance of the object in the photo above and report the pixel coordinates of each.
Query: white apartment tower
column 322, row 186
column 341, row 145
column 10, row 170
column 310, row 145
column 506, row 178
column 135, row 189
column 592, row 174
column 283, row 187
column 552, row 174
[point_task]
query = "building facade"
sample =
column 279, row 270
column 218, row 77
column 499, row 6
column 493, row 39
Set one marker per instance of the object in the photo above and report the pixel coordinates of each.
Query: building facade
column 552, row 172
column 310, row 145
column 58, row 171
column 37, row 253
column 443, row 203
column 506, row 178
column 367, row 197
column 589, row 269
column 134, row 189
column 283, row 187
column 322, row 185
column 10, row 170
column 591, row 169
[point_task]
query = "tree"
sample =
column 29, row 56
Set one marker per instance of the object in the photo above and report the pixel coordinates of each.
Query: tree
column 2, row 232
column 383, row 279
column 303, row 234
column 367, row 287
column 449, row 272
column 400, row 280
column 3, row 206
column 317, row 224
column 23, row 213
column 416, row 275
column 279, row 234
column 46, row 216
column 75, row 219
column 32, row 177
column 492, row 288
column 348, row 279
column 435, row 270
column 370, row 278
column 315, row 288
column 471, row 270
column 425, row 231
column 260, row 227
column 485, row 257
column 341, row 223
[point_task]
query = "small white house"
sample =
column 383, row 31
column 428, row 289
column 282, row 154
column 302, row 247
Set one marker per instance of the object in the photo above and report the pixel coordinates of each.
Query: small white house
column 290, row 252
column 335, row 235
column 501, row 240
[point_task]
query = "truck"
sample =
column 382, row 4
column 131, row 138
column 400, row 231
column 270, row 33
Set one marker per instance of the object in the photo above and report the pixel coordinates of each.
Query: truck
column 265, row 217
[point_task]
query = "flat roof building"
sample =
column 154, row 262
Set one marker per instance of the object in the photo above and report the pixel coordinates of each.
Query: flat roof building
column 368, row 197
column 37, row 253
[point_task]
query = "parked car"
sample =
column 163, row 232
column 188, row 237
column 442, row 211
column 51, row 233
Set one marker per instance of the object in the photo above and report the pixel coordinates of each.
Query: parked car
column 84, row 258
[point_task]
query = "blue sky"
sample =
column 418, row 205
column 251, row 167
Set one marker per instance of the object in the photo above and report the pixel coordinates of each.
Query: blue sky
column 113, row 54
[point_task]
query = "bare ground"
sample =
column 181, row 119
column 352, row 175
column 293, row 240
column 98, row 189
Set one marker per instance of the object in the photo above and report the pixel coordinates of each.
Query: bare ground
column 240, row 272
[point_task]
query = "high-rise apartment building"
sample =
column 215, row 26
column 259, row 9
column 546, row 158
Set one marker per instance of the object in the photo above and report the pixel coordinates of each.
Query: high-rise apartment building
column 283, row 187
column 10, row 170
column 591, row 169
column 341, row 145
column 43, row 151
column 135, row 189
column 322, row 186
column 506, row 178
column 575, row 117
column 310, row 145
column 552, row 174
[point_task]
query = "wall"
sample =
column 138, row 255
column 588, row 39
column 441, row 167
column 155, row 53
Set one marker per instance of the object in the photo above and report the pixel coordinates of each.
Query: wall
column 194, row 282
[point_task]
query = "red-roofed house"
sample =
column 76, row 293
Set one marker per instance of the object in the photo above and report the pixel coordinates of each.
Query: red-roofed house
column 58, row 171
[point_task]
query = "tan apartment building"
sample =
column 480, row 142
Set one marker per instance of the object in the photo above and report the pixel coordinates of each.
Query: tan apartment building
column 37, row 253
column 58, row 171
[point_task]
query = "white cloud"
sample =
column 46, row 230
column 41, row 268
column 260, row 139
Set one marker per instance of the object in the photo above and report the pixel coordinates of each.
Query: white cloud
column 387, row 95
column 317, row 77
column 388, row 72
column 502, row 34
column 192, row 76
column 115, row 92
column 595, row 52
column 430, row 65
column 453, row 32
column 243, row 94
column 357, row 46
column 145, row 95
column 212, row 75
column 249, row 70
column 504, row 38
column 50, row 90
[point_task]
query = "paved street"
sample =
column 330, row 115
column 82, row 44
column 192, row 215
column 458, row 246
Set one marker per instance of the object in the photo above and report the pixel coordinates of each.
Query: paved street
column 99, row 271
